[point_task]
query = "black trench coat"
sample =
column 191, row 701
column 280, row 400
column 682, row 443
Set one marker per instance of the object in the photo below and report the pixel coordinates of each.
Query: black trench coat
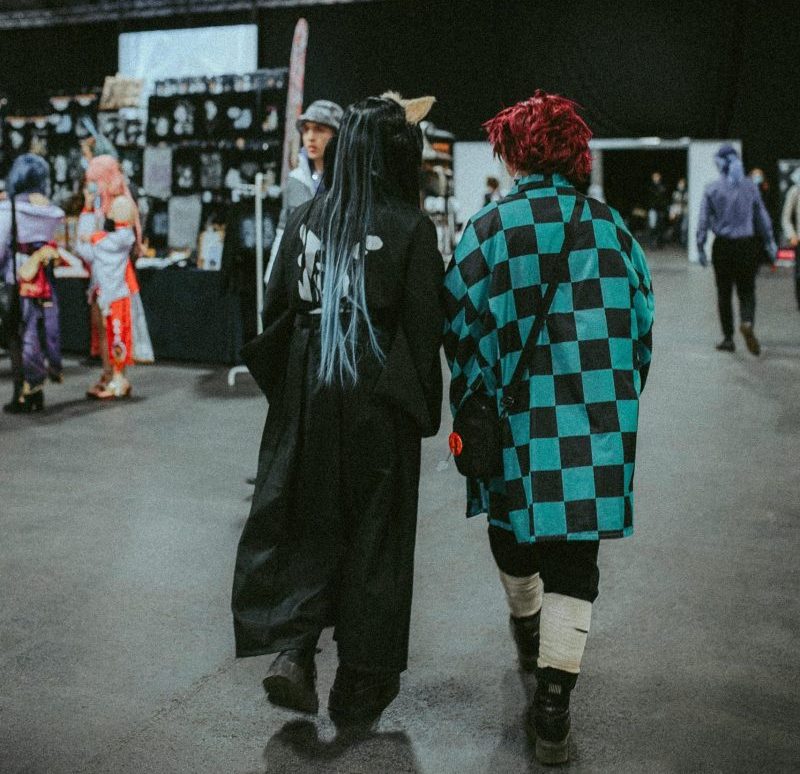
column 330, row 537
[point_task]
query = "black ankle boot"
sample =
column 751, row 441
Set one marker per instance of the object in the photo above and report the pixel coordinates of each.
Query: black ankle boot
column 25, row 403
column 726, row 345
column 359, row 698
column 525, row 632
column 547, row 722
column 292, row 681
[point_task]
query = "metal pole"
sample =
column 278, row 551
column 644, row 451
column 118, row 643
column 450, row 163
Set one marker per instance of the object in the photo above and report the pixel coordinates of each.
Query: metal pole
column 259, row 186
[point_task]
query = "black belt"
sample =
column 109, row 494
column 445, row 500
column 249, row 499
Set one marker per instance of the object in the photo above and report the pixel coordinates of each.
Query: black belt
column 381, row 318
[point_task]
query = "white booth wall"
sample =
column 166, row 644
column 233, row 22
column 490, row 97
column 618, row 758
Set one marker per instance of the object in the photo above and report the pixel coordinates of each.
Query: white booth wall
column 473, row 162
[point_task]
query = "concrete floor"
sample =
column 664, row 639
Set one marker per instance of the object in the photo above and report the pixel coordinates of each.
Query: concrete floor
column 120, row 522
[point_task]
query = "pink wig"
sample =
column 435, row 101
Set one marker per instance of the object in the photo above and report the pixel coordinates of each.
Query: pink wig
column 542, row 134
column 111, row 183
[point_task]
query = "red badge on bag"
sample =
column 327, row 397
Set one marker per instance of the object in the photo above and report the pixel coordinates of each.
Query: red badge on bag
column 456, row 444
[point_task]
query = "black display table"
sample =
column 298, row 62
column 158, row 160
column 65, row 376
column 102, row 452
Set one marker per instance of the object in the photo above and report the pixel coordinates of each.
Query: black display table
column 188, row 315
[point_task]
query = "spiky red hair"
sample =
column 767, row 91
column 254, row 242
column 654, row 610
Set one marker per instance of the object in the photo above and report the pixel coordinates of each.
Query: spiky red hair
column 542, row 134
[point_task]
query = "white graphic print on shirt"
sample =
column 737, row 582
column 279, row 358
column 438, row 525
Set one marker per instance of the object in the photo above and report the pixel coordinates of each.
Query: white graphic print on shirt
column 310, row 263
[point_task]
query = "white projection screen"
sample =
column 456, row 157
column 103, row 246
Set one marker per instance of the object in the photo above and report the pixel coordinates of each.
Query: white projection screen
column 158, row 54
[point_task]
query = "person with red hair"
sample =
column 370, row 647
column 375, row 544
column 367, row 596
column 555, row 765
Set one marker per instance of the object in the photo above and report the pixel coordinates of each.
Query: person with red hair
column 550, row 263
column 109, row 230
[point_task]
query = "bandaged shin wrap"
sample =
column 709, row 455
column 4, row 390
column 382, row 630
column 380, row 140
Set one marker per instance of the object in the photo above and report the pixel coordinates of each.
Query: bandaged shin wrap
column 563, row 629
column 524, row 594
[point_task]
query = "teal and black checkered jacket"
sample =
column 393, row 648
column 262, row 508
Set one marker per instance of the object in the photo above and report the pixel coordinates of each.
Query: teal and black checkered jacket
column 569, row 455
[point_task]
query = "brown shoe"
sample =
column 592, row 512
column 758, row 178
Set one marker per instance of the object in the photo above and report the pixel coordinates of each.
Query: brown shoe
column 94, row 391
column 746, row 329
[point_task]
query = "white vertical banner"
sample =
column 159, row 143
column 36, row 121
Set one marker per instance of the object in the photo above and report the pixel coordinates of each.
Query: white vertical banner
column 701, row 170
column 294, row 98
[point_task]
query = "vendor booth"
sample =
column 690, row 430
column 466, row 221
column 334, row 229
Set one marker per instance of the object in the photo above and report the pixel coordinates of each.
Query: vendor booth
column 192, row 141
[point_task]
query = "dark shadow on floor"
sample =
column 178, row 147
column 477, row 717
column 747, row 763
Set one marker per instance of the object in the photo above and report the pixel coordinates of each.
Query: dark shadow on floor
column 215, row 385
column 655, row 269
column 298, row 748
column 56, row 412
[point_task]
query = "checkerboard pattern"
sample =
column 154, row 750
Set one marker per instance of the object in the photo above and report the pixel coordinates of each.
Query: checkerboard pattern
column 570, row 442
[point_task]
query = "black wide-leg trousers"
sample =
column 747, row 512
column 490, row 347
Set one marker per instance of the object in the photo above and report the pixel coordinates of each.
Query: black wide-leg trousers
column 331, row 533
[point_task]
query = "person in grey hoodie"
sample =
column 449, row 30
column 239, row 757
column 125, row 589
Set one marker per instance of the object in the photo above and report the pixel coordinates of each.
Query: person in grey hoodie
column 317, row 125
column 790, row 220
column 732, row 209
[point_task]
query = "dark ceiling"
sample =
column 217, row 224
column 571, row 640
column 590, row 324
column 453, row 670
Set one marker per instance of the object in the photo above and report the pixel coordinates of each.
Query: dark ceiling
column 50, row 13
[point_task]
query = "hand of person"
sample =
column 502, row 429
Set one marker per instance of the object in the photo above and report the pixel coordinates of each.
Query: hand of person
column 772, row 252
column 88, row 199
column 701, row 256
column 794, row 241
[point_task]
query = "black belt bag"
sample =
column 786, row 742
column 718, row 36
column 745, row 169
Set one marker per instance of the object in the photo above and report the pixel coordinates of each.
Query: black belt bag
column 476, row 441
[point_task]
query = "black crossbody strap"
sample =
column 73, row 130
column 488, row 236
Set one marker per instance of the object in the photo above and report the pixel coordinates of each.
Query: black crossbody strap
column 542, row 309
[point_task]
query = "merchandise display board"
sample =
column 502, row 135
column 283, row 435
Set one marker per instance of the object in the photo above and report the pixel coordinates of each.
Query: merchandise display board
column 207, row 138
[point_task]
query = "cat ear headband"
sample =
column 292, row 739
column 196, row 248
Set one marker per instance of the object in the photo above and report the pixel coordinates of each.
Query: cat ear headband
column 416, row 109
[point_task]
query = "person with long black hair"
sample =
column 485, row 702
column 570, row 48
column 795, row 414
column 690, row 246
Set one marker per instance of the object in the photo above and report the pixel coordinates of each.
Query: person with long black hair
column 349, row 362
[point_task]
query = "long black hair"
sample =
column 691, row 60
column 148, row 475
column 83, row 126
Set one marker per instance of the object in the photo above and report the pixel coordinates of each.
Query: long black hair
column 29, row 174
column 378, row 155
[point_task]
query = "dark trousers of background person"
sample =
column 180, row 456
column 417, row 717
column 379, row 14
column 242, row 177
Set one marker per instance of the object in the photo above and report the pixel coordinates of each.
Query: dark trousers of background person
column 656, row 220
column 735, row 264
column 565, row 567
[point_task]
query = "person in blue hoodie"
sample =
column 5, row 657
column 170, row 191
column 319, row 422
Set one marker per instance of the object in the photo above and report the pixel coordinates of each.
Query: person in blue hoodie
column 733, row 210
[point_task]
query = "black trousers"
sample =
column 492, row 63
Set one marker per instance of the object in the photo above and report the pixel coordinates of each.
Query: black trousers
column 735, row 264
column 565, row 567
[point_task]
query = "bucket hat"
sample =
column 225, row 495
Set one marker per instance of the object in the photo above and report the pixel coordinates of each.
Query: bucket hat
column 321, row 111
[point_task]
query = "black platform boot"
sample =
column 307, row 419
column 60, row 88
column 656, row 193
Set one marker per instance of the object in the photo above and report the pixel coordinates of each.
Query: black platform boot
column 547, row 722
column 525, row 632
column 26, row 401
column 359, row 698
column 292, row 681
column 726, row 345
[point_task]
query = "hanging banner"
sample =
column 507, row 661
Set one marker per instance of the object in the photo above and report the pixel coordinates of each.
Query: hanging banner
column 294, row 98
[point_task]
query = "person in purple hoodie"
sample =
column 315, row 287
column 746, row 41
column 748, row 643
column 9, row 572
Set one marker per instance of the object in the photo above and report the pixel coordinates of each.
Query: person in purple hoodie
column 733, row 210
column 28, row 222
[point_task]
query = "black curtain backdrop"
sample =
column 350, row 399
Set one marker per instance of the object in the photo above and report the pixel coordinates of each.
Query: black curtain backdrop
column 701, row 69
